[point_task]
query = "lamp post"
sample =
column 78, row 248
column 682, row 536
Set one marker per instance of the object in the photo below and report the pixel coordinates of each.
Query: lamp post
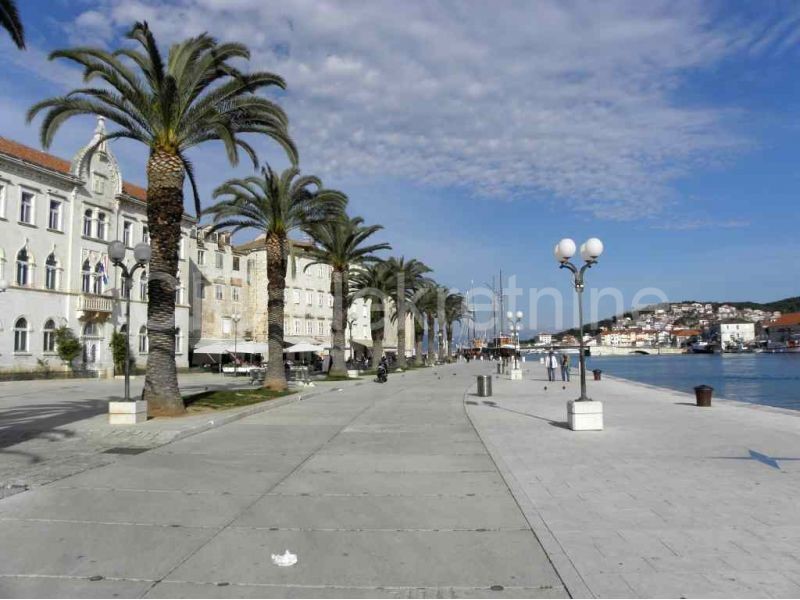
column 351, row 319
column 514, row 319
column 3, row 285
column 583, row 415
column 116, row 251
column 235, row 317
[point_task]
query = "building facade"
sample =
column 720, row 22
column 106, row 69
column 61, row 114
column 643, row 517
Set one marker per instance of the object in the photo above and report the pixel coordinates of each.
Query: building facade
column 57, row 218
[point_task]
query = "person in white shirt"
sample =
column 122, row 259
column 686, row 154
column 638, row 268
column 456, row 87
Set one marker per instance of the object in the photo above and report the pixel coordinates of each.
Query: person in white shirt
column 551, row 362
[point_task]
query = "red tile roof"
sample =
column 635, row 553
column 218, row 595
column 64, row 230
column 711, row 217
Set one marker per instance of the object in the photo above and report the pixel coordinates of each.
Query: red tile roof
column 54, row 163
column 786, row 320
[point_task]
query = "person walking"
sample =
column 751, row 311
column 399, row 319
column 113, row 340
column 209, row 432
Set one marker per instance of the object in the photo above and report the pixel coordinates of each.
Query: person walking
column 551, row 362
column 565, row 367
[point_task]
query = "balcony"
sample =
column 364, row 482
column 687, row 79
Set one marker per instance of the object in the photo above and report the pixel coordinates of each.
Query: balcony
column 95, row 305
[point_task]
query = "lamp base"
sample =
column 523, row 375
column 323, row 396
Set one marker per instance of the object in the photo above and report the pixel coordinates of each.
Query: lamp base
column 127, row 413
column 585, row 415
column 515, row 374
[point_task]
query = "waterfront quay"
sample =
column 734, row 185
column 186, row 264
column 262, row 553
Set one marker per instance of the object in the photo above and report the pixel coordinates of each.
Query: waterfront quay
column 420, row 488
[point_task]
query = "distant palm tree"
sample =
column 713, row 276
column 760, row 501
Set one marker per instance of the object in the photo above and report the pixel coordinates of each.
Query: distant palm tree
column 408, row 277
column 455, row 309
column 195, row 97
column 341, row 243
column 428, row 301
column 10, row 21
column 374, row 283
column 276, row 205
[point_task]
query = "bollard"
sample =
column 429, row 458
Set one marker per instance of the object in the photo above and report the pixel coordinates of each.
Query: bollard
column 702, row 395
column 484, row 385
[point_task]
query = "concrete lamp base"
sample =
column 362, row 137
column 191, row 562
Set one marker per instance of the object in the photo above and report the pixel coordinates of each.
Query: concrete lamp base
column 515, row 374
column 352, row 373
column 585, row 416
column 127, row 413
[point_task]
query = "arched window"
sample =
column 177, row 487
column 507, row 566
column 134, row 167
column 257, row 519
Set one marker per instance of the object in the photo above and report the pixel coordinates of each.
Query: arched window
column 144, row 343
column 21, row 335
column 178, row 340
column 91, row 330
column 143, row 286
column 49, row 336
column 86, row 277
column 23, row 268
column 124, row 287
column 97, row 279
column 87, row 223
column 51, row 272
column 101, row 225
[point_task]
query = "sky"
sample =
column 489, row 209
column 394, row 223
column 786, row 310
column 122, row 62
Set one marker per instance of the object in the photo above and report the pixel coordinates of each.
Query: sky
column 481, row 133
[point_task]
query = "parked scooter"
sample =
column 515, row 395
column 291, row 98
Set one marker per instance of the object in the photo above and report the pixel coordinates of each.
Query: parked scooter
column 382, row 371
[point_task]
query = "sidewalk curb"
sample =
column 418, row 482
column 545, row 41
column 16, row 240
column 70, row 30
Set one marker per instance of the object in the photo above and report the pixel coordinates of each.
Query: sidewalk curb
column 573, row 582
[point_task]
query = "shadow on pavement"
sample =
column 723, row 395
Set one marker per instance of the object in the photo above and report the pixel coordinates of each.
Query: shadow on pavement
column 561, row 424
column 46, row 421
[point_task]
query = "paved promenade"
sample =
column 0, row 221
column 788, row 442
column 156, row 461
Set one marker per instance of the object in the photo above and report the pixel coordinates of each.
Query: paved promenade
column 381, row 490
column 669, row 500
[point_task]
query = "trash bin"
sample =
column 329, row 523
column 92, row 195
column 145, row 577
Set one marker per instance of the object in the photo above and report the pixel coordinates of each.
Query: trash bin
column 597, row 374
column 484, row 385
column 702, row 394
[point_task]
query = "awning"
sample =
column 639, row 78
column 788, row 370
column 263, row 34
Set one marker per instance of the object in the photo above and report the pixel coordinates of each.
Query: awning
column 228, row 348
column 303, row 347
column 218, row 348
column 250, row 347
column 365, row 343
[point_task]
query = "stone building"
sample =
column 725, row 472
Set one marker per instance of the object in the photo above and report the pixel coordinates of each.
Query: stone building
column 57, row 218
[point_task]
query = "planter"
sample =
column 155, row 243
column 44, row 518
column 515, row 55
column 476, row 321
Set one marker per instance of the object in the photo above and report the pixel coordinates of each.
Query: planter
column 127, row 413
column 585, row 415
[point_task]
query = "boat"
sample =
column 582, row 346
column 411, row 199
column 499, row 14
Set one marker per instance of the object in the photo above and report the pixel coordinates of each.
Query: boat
column 701, row 347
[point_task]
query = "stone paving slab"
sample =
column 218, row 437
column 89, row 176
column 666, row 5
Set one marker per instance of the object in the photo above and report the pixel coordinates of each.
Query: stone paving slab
column 70, row 587
column 669, row 500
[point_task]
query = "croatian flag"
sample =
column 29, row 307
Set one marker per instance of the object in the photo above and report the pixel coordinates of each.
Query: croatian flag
column 104, row 270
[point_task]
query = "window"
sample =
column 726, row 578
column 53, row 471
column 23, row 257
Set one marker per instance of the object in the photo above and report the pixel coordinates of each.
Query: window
column 99, row 183
column 54, row 218
column 218, row 293
column 330, row 300
column 127, row 234
column 178, row 340
column 297, row 330
column 23, row 268
column 86, row 277
column 235, row 294
column 144, row 343
column 143, row 286
column 296, row 296
column 218, row 258
column 320, row 327
column 49, row 336
column 87, row 223
column 310, row 327
column 101, row 226
column 201, row 290
column 97, row 279
column 250, row 268
column 145, row 234
column 51, row 272
column 21, row 335
column 320, row 300
column 309, row 297
column 125, row 288
column 26, row 208
column 320, row 271
column 235, row 263
column 201, row 257
column 2, row 201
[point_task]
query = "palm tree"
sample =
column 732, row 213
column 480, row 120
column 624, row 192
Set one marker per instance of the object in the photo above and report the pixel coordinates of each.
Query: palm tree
column 197, row 96
column 276, row 205
column 428, row 306
column 10, row 21
column 374, row 283
column 455, row 308
column 408, row 277
column 341, row 243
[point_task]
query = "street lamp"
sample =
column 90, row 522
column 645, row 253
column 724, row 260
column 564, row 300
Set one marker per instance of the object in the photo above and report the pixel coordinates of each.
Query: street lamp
column 235, row 317
column 141, row 253
column 581, row 417
column 3, row 285
column 514, row 319
column 352, row 317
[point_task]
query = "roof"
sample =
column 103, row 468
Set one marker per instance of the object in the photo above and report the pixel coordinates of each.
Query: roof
column 55, row 163
column 686, row 332
column 786, row 320
column 33, row 156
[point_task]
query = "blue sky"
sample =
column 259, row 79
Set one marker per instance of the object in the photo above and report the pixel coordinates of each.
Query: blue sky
column 480, row 136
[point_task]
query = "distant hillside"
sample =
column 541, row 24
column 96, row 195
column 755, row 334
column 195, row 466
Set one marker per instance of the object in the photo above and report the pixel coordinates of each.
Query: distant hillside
column 787, row 305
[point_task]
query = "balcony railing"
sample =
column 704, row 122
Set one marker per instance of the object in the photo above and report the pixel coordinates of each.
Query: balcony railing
column 94, row 303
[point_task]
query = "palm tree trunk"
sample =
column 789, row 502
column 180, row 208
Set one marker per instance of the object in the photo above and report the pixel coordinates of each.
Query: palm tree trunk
column 450, row 340
column 419, row 332
column 338, row 366
column 377, row 330
column 276, row 283
column 165, row 175
column 442, row 338
column 431, row 335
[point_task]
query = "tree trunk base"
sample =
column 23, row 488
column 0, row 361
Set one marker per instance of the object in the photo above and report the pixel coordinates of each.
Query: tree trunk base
column 160, row 411
column 276, row 385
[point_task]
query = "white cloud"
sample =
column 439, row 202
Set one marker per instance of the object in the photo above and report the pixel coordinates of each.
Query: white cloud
column 523, row 99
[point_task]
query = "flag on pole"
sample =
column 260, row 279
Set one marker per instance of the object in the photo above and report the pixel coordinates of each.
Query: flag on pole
column 104, row 270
